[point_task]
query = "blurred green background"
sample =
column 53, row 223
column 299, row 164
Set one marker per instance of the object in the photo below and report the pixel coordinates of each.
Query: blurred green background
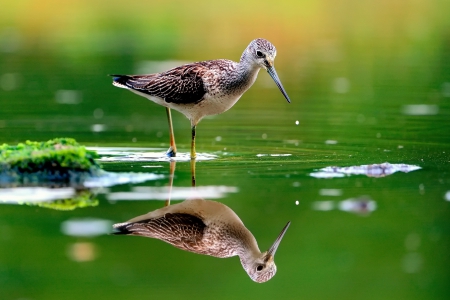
column 369, row 83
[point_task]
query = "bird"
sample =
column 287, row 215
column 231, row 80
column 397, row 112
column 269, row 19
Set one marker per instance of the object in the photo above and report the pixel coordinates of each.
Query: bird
column 206, row 227
column 204, row 88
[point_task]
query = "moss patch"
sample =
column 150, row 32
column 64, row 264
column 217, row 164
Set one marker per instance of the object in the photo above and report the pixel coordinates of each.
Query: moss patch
column 82, row 199
column 60, row 159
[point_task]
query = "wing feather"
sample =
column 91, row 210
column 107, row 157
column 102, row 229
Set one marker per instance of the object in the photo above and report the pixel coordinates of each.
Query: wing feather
column 181, row 85
column 182, row 230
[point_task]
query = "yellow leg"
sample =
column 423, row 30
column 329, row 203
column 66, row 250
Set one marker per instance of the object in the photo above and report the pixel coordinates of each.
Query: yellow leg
column 193, row 171
column 171, row 175
column 193, row 154
column 172, row 152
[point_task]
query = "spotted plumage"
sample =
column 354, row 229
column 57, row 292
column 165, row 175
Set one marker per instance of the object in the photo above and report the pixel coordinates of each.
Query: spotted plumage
column 181, row 85
column 182, row 230
column 205, row 227
column 204, row 88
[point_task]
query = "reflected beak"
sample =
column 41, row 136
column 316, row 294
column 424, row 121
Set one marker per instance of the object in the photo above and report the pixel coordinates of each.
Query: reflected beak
column 273, row 74
column 273, row 249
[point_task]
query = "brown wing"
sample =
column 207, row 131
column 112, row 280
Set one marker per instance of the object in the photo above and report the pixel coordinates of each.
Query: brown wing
column 184, row 231
column 181, row 85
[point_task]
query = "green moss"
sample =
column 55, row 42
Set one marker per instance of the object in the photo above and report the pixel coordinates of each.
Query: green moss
column 59, row 159
column 82, row 199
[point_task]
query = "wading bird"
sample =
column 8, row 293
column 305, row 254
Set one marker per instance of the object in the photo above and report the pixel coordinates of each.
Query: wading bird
column 206, row 227
column 204, row 88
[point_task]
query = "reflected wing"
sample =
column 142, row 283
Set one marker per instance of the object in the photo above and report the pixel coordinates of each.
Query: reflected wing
column 181, row 85
column 184, row 231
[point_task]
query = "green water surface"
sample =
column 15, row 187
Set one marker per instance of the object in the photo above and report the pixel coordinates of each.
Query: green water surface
column 384, row 97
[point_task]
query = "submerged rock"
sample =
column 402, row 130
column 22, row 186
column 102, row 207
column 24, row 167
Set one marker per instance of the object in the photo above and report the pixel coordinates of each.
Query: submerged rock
column 60, row 160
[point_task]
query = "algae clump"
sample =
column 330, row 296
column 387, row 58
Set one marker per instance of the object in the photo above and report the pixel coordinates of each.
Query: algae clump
column 82, row 199
column 60, row 160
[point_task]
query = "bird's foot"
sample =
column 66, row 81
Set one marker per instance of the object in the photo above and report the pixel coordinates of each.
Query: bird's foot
column 171, row 152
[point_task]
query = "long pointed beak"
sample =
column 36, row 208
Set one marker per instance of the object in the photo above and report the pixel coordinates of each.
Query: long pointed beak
column 275, row 245
column 273, row 74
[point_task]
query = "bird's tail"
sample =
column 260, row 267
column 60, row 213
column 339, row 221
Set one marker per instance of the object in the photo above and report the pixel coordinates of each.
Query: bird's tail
column 120, row 81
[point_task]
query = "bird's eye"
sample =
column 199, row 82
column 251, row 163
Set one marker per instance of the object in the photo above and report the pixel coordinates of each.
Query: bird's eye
column 259, row 268
column 259, row 54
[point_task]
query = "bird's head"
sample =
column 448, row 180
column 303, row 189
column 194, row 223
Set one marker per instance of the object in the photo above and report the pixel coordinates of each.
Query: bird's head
column 262, row 268
column 261, row 52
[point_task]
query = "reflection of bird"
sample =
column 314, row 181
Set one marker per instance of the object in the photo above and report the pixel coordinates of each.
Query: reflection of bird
column 206, row 227
column 204, row 88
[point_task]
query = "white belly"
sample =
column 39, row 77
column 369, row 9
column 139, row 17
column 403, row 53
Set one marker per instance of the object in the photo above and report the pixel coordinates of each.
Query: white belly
column 195, row 112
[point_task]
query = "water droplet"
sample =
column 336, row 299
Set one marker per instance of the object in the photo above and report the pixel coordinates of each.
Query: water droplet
column 98, row 127
column 331, row 142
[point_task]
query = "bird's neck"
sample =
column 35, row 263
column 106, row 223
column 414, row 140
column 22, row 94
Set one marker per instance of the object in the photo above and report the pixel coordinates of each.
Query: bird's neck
column 247, row 65
column 248, row 251
column 248, row 259
column 246, row 73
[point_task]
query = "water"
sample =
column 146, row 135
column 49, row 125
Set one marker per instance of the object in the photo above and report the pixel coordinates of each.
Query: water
column 354, row 103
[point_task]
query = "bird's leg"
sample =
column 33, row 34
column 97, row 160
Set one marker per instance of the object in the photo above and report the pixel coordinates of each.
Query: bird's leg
column 171, row 175
column 172, row 152
column 193, row 161
column 193, row 154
